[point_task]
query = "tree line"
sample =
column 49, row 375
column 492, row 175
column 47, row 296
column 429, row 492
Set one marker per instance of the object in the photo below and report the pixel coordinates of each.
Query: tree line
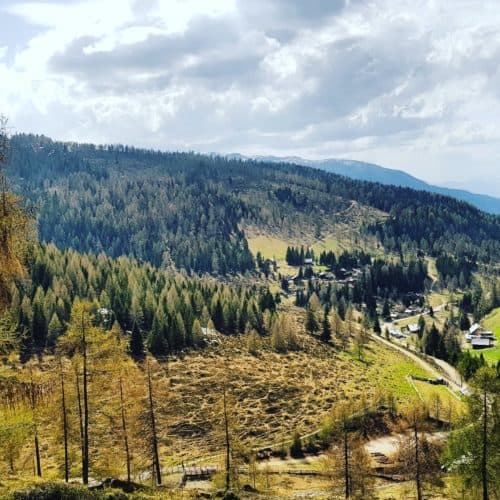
column 163, row 311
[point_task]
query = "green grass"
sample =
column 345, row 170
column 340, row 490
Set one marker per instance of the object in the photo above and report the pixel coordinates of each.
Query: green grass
column 448, row 399
column 436, row 299
column 388, row 370
column 268, row 246
column 329, row 243
column 431, row 267
column 491, row 322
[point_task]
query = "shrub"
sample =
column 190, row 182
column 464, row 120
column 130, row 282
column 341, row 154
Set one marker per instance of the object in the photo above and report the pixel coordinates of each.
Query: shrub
column 60, row 491
column 296, row 447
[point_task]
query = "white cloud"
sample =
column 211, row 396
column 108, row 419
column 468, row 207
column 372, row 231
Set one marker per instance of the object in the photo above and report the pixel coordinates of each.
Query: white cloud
column 414, row 86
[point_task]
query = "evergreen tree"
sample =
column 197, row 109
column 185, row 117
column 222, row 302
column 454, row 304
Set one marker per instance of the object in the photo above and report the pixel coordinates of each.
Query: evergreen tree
column 296, row 450
column 311, row 325
column 433, row 342
column 136, row 342
column 39, row 327
column 54, row 331
column 386, row 310
column 464, row 321
column 478, row 438
column 326, row 330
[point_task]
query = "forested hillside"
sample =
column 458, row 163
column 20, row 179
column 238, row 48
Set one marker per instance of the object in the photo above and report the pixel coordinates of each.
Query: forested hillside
column 117, row 359
column 188, row 208
column 163, row 311
column 375, row 173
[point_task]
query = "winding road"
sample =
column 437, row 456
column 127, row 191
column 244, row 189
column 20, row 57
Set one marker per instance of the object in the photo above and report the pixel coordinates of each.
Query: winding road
column 438, row 367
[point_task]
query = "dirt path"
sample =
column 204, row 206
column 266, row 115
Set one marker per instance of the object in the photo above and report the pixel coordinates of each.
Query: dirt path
column 452, row 374
column 387, row 445
column 390, row 324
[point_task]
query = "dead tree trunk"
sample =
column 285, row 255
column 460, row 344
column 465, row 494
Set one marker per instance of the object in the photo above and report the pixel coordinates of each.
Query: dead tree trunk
column 154, row 437
column 65, row 424
column 80, row 411
column 484, row 454
column 346, row 461
column 38, row 464
column 124, row 430
column 418, row 480
column 85, row 458
column 227, row 439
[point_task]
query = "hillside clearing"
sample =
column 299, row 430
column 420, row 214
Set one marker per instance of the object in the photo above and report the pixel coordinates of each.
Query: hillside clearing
column 272, row 395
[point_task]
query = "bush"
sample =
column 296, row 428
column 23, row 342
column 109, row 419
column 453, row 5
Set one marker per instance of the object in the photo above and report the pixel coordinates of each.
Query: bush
column 311, row 446
column 60, row 491
column 296, row 447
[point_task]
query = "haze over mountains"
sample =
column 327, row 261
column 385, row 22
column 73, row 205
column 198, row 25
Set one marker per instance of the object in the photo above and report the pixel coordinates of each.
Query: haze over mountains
column 375, row 173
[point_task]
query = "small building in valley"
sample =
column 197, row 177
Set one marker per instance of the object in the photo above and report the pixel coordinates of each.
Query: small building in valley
column 474, row 328
column 414, row 328
column 481, row 343
column 486, row 334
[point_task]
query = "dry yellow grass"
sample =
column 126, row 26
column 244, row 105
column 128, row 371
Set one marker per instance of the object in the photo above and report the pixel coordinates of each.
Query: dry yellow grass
column 271, row 394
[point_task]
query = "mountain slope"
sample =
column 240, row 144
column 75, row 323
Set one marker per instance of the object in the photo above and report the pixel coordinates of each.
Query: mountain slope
column 189, row 208
column 375, row 173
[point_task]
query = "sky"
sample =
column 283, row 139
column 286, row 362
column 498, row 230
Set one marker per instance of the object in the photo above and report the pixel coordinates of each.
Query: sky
column 413, row 85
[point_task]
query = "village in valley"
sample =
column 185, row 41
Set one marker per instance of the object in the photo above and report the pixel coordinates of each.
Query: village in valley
column 402, row 320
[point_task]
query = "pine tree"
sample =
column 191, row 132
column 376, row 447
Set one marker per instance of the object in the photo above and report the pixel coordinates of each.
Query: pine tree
column 386, row 310
column 197, row 333
column 39, row 327
column 136, row 342
column 296, row 450
column 478, row 437
column 464, row 321
column 55, row 330
column 432, row 342
column 312, row 326
column 326, row 330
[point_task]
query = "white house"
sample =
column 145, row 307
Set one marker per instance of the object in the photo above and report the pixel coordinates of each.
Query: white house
column 480, row 343
column 487, row 334
column 394, row 332
column 474, row 328
column 413, row 328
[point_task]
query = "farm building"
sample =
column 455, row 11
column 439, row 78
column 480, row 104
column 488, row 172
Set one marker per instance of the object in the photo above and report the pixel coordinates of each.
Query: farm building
column 474, row 328
column 481, row 343
column 394, row 332
column 486, row 334
column 413, row 328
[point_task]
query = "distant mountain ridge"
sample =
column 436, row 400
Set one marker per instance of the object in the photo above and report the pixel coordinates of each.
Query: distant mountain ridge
column 375, row 173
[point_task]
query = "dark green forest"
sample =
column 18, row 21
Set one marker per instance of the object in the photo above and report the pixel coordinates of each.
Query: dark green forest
column 162, row 311
column 188, row 208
